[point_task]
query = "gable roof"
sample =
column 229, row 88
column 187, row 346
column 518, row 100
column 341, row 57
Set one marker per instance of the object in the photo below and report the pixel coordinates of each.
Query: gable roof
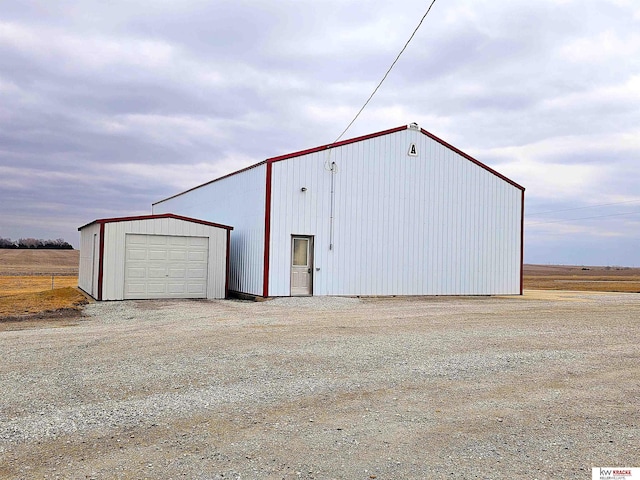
column 102, row 221
column 347, row 142
column 471, row 159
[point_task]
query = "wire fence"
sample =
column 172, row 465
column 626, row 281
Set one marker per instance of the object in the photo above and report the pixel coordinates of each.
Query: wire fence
column 15, row 284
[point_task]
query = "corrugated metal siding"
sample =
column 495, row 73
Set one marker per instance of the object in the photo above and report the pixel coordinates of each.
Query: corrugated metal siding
column 435, row 224
column 114, row 251
column 89, row 258
column 237, row 201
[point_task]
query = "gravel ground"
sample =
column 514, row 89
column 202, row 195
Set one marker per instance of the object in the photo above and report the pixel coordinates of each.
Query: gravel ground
column 541, row 386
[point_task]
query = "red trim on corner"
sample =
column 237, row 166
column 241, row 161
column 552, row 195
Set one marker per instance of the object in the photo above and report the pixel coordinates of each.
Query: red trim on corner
column 522, row 245
column 267, row 231
column 226, row 280
column 154, row 217
column 101, row 262
column 470, row 158
column 337, row 144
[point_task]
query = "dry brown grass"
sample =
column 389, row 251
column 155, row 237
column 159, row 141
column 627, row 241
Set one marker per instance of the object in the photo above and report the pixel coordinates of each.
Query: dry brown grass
column 25, row 282
column 17, row 284
column 27, row 304
column 592, row 279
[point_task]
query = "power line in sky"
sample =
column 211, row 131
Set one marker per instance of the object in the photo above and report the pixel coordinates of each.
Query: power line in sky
column 583, row 218
column 386, row 74
column 581, row 208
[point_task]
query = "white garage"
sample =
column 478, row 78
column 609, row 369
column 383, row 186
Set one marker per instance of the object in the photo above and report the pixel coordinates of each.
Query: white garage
column 154, row 256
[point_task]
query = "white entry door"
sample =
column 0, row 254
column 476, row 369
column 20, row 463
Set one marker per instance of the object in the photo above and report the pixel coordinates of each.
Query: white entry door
column 301, row 266
column 164, row 266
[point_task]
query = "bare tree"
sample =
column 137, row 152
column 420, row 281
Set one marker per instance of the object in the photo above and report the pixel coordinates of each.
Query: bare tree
column 58, row 244
column 33, row 243
column 30, row 243
column 7, row 243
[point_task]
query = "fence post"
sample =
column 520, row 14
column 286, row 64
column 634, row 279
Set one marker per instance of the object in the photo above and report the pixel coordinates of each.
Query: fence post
column 52, row 281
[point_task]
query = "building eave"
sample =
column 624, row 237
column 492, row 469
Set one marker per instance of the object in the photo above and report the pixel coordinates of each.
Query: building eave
column 103, row 221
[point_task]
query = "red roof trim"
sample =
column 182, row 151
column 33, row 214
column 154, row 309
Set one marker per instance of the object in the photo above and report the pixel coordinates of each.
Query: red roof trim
column 212, row 181
column 289, row 155
column 337, row 144
column 470, row 158
column 154, row 217
column 347, row 142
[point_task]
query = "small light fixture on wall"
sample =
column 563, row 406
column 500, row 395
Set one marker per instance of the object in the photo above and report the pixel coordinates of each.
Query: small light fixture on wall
column 303, row 189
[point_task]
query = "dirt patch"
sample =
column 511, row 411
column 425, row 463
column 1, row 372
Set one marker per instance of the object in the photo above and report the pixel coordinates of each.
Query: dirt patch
column 66, row 317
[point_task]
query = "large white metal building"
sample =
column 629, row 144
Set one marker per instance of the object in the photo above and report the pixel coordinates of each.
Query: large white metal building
column 154, row 256
column 398, row 212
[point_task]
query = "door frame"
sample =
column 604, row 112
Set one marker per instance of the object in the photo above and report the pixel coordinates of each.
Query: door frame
column 310, row 262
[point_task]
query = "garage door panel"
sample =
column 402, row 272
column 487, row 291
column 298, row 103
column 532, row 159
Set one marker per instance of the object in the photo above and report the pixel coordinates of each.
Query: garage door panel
column 136, row 272
column 156, row 288
column 156, row 240
column 159, row 266
column 178, row 241
column 198, row 256
column 136, row 288
column 193, row 273
column 156, row 273
column 136, row 239
column 177, row 255
column 202, row 242
column 177, row 273
column 195, row 288
column 157, row 254
column 136, row 254
column 176, row 288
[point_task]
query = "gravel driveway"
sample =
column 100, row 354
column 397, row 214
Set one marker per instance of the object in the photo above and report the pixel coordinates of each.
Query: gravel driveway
column 541, row 386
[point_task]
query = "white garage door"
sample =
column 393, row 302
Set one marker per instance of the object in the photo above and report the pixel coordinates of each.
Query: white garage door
column 161, row 266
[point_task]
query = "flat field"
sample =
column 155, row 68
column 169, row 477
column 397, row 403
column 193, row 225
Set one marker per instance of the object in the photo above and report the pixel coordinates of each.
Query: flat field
column 39, row 262
column 582, row 278
column 544, row 385
column 25, row 265
column 35, row 281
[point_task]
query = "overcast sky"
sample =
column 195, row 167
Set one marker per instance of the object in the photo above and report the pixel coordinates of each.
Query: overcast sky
column 106, row 107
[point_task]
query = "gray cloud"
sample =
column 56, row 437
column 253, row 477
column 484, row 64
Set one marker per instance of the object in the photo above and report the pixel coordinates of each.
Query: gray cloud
column 106, row 107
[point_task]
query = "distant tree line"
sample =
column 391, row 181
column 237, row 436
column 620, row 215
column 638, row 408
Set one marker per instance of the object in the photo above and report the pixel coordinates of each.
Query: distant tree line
column 33, row 243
